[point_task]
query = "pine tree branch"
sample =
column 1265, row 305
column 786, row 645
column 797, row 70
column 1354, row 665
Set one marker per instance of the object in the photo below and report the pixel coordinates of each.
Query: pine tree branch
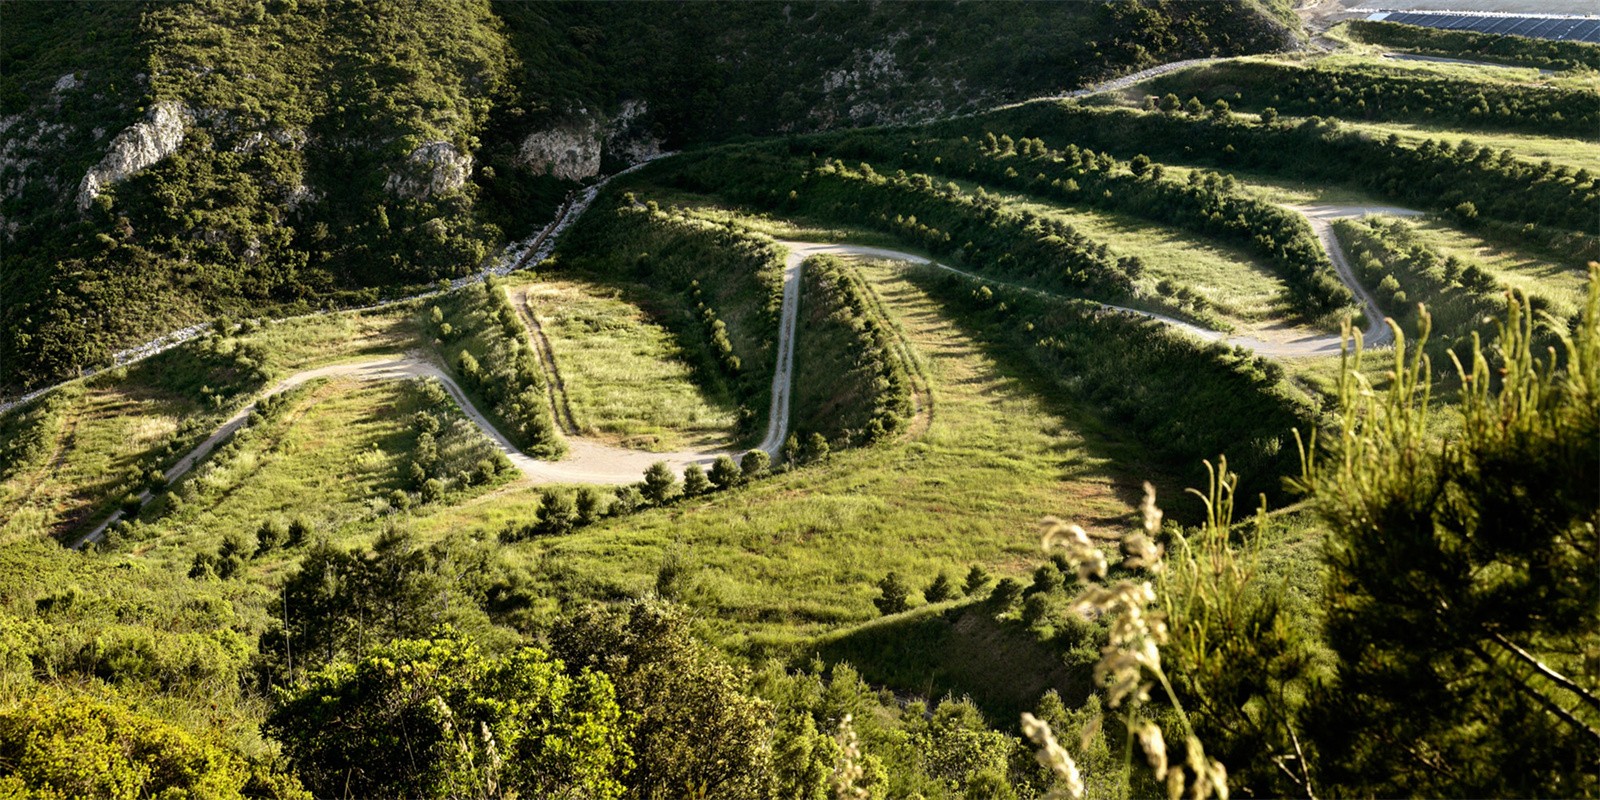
column 1561, row 680
column 1548, row 704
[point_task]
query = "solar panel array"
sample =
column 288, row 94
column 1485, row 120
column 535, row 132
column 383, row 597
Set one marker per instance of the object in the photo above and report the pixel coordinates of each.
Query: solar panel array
column 1577, row 29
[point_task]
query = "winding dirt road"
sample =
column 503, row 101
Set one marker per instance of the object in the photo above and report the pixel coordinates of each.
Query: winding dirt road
column 593, row 462
column 1321, row 218
column 587, row 461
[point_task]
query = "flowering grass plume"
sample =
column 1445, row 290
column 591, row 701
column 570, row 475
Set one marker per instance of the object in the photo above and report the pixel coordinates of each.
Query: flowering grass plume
column 1130, row 663
column 848, row 770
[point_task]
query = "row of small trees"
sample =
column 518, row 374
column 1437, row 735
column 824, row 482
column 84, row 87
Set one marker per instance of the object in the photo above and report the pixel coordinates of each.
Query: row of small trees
column 716, row 287
column 894, row 594
column 477, row 331
column 1514, row 50
column 451, row 453
column 1347, row 92
column 938, row 216
column 867, row 394
column 1506, row 189
column 1206, row 204
column 561, row 511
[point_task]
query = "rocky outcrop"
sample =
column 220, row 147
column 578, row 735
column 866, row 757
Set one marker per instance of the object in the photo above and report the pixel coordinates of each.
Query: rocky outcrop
column 628, row 135
column 433, row 169
column 139, row 147
column 569, row 150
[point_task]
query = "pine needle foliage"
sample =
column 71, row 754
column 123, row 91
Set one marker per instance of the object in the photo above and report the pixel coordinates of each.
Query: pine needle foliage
column 1462, row 581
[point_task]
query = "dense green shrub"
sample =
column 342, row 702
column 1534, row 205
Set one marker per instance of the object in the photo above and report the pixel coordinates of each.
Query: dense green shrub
column 851, row 383
column 1357, row 93
column 1514, row 50
column 660, row 484
column 695, row 482
column 754, row 465
column 1437, row 553
column 725, row 473
column 893, row 595
column 438, row 717
column 62, row 744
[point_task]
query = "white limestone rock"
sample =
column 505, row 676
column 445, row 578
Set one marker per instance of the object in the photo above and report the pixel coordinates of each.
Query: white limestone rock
column 628, row 136
column 433, row 169
column 138, row 147
column 569, row 150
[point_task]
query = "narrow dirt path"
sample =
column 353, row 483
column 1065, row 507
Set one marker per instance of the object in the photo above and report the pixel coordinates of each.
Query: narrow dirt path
column 515, row 256
column 555, row 387
column 1321, row 218
column 587, row 461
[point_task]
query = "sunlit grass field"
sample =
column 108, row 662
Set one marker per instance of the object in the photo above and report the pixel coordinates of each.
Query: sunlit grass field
column 1243, row 294
column 332, row 456
column 800, row 553
column 1560, row 283
column 105, row 430
column 626, row 378
column 1560, row 151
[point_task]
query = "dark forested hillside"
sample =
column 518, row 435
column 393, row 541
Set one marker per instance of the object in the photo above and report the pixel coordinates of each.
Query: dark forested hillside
column 166, row 162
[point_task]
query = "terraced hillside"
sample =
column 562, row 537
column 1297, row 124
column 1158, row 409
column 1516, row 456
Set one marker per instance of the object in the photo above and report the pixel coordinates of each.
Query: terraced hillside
column 728, row 482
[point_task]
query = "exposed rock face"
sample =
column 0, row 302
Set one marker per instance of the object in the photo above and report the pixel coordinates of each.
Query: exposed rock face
column 432, row 169
column 140, row 146
column 67, row 83
column 628, row 137
column 569, row 150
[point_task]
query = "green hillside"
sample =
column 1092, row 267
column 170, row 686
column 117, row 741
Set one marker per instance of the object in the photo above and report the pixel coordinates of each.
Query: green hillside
column 295, row 155
column 886, row 426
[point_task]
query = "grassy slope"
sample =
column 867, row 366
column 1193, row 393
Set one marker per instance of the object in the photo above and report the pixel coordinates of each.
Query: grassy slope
column 1561, row 283
column 151, row 414
column 851, row 366
column 1560, row 151
column 278, row 197
column 1243, row 294
column 798, row 554
column 334, row 455
column 626, row 378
